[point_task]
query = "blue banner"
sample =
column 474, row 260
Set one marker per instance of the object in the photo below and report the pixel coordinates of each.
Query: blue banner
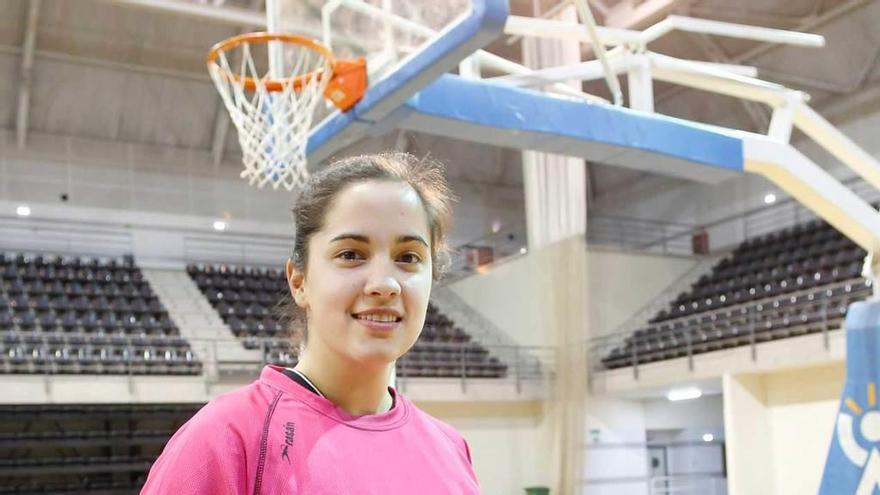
column 853, row 465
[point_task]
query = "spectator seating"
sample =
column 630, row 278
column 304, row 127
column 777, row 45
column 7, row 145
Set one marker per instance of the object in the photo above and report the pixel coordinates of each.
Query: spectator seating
column 796, row 281
column 67, row 449
column 248, row 299
column 85, row 315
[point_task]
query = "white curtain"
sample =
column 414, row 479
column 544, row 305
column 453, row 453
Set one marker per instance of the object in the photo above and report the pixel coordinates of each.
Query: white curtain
column 556, row 216
column 555, row 185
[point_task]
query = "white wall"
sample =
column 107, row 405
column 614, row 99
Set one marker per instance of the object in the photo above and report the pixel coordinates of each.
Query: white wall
column 779, row 427
column 707, row 413
column 749, row 448
column 803, row 405
column 509, row 441
column 618, row 283
column 154, row 179
column 616, row 457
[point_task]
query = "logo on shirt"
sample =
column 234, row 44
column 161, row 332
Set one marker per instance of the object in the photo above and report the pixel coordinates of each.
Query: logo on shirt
column 289, row 430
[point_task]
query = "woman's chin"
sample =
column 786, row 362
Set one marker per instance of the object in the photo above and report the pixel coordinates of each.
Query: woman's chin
column 375, row 356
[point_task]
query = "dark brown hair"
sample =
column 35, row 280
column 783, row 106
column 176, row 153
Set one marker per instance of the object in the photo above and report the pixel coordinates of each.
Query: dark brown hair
column 424, row 175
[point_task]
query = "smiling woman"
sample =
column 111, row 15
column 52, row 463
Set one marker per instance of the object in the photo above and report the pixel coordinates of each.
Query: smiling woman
column 370, row 242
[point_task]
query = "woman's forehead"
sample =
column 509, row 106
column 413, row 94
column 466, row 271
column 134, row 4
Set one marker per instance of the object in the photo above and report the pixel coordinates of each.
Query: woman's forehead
column 377, row 209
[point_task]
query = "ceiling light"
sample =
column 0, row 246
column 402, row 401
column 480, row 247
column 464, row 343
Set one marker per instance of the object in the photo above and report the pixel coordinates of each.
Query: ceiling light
column 219, row 225
column 769, row 198
column 708, row 437
column 684, row 394
column 23, row 211
column 523, row 250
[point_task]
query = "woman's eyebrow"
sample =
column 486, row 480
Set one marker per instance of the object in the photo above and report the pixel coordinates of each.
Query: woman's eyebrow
column 412, row 238
column 351, row 237
column 366, row 240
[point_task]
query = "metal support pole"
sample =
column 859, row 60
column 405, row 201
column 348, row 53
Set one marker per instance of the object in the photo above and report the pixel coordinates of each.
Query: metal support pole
column 689, row 340
column 516, row 368
column 586, row 16
column 752, row 340
column 641, row 86
column 825, row 324
column 636, row 360
column 463, row 367
column 26, row 74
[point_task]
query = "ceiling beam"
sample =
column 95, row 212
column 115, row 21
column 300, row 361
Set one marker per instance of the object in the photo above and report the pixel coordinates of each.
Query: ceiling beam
column 634, row 14
column 808, row 25
column 224, row 15
column 630, row 14
column 26, row 73
column 758, row 114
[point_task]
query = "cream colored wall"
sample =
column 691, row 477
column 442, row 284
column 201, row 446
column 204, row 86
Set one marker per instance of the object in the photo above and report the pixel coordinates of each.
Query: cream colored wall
column 507, row 296
column 618, row 283
column 778, row 427
column 509, row 441
column 803, row 405
column 749, row 449
column 538, row 299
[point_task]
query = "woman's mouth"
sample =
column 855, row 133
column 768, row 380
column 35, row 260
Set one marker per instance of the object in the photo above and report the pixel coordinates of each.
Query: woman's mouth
column 377, row 321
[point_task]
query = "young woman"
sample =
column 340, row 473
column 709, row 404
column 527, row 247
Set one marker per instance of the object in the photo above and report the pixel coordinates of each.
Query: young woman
column 370, row 239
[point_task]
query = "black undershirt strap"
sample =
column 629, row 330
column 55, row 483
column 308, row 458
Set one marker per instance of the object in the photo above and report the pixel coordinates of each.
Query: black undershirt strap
column 298, row 379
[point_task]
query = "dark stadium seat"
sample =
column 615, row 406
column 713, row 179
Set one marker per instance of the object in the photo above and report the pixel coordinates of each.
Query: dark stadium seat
column 246, row 299
column 787, row 283
column 51, row 307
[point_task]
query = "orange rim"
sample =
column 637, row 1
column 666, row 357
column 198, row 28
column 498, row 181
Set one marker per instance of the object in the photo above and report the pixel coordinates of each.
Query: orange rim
column 272, row 84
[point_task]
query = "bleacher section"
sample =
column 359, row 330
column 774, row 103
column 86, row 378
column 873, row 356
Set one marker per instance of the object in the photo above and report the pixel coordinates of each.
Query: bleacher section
column 247, row 297
column 792, row 282
column 106, row 449
column 85, row 315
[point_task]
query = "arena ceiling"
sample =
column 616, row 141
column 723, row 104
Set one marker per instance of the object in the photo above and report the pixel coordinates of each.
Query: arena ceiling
column 120, row 70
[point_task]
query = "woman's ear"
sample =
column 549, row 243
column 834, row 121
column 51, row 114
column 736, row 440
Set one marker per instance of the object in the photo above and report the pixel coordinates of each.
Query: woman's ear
column 296, row 282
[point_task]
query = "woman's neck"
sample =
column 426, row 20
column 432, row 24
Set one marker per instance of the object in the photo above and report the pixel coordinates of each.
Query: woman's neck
column 356, row 389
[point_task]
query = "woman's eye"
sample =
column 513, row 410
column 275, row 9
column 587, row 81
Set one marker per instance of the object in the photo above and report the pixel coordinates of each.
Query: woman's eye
column 349, row 256
column 410, row 258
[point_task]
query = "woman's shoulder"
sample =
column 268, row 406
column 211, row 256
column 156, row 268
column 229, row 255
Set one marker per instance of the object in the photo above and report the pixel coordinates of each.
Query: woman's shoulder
column 237, row 407
column 208, row 453
column 445, row 429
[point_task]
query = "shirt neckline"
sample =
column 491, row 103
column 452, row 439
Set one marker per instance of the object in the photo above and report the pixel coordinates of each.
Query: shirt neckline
column 273, row 375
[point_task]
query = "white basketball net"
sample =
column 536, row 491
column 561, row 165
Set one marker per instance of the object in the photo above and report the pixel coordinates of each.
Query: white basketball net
column 273, row 126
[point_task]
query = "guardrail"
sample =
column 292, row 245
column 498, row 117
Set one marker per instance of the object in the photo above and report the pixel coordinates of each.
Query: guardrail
column 601, row 347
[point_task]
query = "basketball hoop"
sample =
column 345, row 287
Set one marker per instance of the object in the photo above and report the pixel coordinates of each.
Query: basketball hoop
column 272, row 104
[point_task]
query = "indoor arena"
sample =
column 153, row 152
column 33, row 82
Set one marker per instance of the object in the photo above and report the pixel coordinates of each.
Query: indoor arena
column 457, row 247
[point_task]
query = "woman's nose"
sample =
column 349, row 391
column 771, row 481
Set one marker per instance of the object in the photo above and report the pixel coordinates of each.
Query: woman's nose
column 382, row 281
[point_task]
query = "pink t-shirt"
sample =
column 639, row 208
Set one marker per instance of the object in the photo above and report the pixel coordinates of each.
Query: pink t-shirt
column 275, row 437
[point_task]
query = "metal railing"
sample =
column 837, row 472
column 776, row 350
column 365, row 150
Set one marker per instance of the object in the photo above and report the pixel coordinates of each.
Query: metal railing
column 220, row 358
column 690, row 484
column 462, row 361
column 693, row 329
column 648, row 310
column 638, row 234
column 482, row 253
column 676, row 467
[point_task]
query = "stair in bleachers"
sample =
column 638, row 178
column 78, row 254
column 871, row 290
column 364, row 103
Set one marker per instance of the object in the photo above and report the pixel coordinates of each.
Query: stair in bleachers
column 196, row 318
column 75, row 315
column 795, row 281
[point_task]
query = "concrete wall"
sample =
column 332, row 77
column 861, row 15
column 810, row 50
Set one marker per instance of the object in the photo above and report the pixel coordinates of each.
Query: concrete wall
column 157, row 179
column 618, row 283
